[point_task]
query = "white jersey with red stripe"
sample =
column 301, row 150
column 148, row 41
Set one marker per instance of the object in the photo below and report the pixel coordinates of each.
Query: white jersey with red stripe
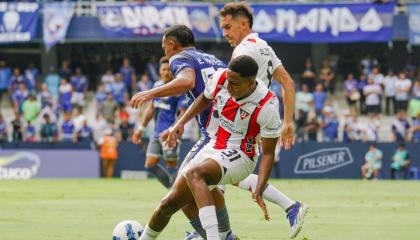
column 262, row 53
column 239, row 124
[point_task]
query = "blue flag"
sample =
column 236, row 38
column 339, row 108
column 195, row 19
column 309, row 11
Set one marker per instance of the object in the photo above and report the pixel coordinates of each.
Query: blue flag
column 57, row 17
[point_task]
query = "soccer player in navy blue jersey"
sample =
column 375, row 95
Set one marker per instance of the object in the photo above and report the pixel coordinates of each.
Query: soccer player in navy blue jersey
column 164, row 110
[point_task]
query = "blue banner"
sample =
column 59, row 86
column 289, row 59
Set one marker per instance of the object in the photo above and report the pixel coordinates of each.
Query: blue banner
column 363, row 22
column 149, row 20
column 18, row 21
column 414, row 24
column 57, row 17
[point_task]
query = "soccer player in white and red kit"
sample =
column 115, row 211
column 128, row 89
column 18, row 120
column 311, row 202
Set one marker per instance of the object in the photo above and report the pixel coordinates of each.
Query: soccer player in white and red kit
column 244, row 113
column 236, row 21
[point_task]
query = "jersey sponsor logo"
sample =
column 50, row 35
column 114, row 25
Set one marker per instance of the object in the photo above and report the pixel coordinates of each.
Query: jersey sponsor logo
column 230, row 126
column 244, row 114
column 323, row 160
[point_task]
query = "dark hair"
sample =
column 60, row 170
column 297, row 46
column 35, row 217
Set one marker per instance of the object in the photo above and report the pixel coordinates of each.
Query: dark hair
column 245, row 65
column 236, row 9
column 181, row 33
column 163, row 60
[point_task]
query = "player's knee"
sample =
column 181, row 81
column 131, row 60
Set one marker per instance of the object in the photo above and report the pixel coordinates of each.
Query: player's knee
column 194, row 174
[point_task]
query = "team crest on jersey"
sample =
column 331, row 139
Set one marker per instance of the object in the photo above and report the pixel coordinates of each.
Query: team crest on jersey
column 244, row 114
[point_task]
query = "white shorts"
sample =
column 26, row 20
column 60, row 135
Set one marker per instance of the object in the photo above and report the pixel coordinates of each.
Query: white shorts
column 78, row 98
column 234, row 163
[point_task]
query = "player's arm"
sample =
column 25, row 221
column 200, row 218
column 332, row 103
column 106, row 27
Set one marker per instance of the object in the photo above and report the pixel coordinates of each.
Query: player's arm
column 288, row 92
column 200, row 104
column 140, row 129
column 184, row 82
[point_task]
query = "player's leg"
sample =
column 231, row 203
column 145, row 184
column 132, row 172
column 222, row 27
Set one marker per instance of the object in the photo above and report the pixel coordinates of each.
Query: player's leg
column 153, row 153
column 171, row 160
column 178, row 196
column 295, row 210
column 199, row 177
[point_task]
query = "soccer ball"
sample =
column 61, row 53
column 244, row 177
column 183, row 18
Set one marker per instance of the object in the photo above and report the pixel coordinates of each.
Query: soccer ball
column 127, row 230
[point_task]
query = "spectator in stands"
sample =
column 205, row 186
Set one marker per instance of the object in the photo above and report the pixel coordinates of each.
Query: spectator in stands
column 19, row 96
column 66, row 92
column 402, row 91
column 49, row 130
column 361, row 85
column 30, row 108
column 311, row 127
column 370, row 129
column 416, row 129
column 30, row 132
column 78, row 118
column 3, row 129
column 31, row 76
column 128, row 75
column 400, row 161
column 99, row 127
column 308, row 75
column 79, row 84
column 119, row 90
column 67, row 133
column 17, row 125
column 100, row 96
column 327, row 77
column 329, row 124
column 85, row 133
column 152, row 67
column 377, row 76
column 5, row 77
column 353, row 128
column 373, row 163
column 304, row 100
column 109, row 108
column 414, row 104
column 352, row 92
column 16, row 79
column 53, row 82
column 47, row 110
column 44, row 95
column 126, row 129
column 372, row 93
column 400, row 127
column 65, row 71
column 144, row 84
column 389, row 91
column 367, row 63
column 108, row 79
column 108, row 148
column 320, row 96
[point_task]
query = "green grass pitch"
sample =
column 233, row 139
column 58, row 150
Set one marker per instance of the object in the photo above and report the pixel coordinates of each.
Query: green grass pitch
column 89, row 209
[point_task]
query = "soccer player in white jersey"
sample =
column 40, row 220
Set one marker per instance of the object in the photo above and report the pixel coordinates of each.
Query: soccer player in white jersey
column 244, row 112
column 236, row 22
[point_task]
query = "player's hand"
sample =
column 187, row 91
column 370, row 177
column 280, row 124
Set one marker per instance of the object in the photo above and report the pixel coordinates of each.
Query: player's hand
column 172, row 135
column 137, row 136
column 287, row 135
column 140, row 98
column 260, row 201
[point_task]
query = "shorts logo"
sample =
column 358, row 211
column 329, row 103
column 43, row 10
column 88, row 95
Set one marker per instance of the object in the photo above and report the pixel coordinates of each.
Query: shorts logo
column 243, row 114
column 323, row 160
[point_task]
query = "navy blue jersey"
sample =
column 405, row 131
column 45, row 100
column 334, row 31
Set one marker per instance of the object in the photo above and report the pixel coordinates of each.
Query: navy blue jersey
column 166, row 110
column 204, row 66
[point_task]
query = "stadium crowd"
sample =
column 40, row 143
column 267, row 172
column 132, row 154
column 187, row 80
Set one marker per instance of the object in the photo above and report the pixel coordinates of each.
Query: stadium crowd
column 54, row 106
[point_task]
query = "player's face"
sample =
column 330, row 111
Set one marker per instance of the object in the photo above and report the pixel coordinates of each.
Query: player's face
column 168, row 46
column 165, row 72
column 232, row 29
column 237, row 85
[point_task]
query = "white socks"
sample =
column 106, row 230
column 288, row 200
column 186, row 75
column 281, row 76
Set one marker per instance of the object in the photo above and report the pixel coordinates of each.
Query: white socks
column 208, row 220
column 270, row 193
column 149, row 234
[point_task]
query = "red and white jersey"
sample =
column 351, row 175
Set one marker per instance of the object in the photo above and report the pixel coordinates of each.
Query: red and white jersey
column 239, row 124
column 262, row 53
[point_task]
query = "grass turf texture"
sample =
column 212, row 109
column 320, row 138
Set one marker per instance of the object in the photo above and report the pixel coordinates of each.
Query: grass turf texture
column 89, row 209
